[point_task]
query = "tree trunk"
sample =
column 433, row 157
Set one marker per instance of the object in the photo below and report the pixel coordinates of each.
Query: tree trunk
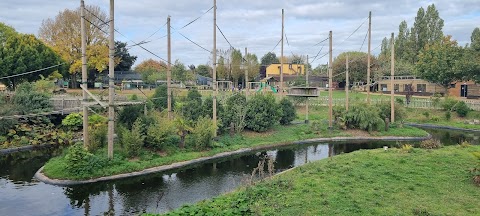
column 182, row 141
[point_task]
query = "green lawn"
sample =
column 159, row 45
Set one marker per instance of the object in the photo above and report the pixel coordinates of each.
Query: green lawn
column 55, row 168
column 365, row 182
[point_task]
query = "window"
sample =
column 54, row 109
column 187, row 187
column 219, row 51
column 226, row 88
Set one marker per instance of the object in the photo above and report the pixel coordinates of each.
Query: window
column 422, row 87
column 383, row 87
column 452, row 85
column 407, row 88
column 290, row 66
column 396, row 87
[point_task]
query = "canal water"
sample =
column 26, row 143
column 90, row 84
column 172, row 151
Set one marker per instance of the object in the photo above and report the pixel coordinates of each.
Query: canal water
column 21, row 194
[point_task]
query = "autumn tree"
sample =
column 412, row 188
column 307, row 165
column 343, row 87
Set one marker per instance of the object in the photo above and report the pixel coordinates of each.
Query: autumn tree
column 152, row 70
column 20, row 53
column 439, row 63
column 62, row 34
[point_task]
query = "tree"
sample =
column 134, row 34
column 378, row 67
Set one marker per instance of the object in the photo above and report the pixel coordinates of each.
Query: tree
column 401, row 41
column 475, row 40
column 269, row 58
column 180, row 72
column 204, row 70
column 63, row 35
column 236, row 70
column 152, row 70
column 252, row 65
column 357, row 66
column 20, row 53
column 439, row 64
column 126, row 60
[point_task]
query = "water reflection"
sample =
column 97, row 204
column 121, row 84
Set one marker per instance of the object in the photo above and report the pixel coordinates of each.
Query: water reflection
column 158, row 192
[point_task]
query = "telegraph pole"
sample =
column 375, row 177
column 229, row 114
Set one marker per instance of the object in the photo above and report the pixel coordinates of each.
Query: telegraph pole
column 169, row 71
column 84, row 76
column 330, row 102
column 306, row 85
column 368, row 56
column 246, row 73
column 392, row 71
column 111, row 89
column 215, row 89
column 281, row 56
column 347, row 85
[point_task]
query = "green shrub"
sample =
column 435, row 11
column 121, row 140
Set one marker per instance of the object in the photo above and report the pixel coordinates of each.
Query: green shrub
column 262, row 112
column 449, row 103
column 192, row 108
column 338, row 111
column 129, row 114
column 426, row 114
column 7, row 124
column 448, row 115
column 399, row 101
column 431, row 144
column 407, row 148
column 159, row 98
column 363, row 117
column 28, row 100
column 97, row 120
column 385, row 111
column 134, row 97
column 97, row 137
column 288, row 111
column 161, row 134
column 73, row 121
column 201, row 136
column 235, row 112
column 435, row 118
column 80, row 162
column 462, row 109
column 132, row 140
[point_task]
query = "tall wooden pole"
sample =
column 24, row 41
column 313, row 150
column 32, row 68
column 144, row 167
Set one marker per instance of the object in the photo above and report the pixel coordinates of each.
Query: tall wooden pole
column 111, row 87
column 84, row 75
column 392, row 71
column 281, row 57
column 246, row 73
column 306, row 85
column 215, row 89
column 368, row 56
column 330, row 98
column 347, row 85
column 169, row 71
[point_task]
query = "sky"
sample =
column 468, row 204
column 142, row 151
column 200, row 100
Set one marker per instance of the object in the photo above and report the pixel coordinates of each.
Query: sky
column 255, row 24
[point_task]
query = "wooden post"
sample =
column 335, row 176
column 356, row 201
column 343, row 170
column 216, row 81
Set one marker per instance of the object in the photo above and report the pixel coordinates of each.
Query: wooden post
column 111, row 88
column 84, row 75
column 215, row 89
column 368, row 56
column 330, row 98
column 307, row 85
column 392, row 71
column 347, row 85
column 169, row 71
column 281, row 59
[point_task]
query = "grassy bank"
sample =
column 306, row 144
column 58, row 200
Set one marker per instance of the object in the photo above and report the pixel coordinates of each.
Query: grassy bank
column 365, row 182
column 56, row 167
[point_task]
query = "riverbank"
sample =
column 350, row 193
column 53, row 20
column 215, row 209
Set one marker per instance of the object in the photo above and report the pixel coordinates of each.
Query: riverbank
column 365, row 182
column 120, row 167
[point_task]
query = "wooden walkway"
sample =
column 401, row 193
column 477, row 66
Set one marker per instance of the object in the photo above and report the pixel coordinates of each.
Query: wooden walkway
column 70, row 105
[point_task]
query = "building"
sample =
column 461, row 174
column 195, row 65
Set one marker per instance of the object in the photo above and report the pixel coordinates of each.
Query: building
column 288, row 69
column 468, row 89
column 401, row 85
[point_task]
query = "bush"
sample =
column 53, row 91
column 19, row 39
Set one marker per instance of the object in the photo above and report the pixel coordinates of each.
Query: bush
column 449, row 103
column 399, row 101
column 201, row 136
column 431, row 144
column 134, row 97
column 407, row 148
column 73, row 121
column 426, row 114
column 385, row 111
column 288, row 113
column 132, row 140
column 28, row 100
column 129, row 114
column 262, row 112
column 363, row 117
column 80, row 162
column 161, row 134
column 448, row 115
column 192, row 108
column 97, row 137
column 235, row 112
column 462, row 109
column 159, row 98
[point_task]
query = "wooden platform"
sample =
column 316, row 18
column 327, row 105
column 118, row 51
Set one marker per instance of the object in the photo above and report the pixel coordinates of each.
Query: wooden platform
column 304, row 92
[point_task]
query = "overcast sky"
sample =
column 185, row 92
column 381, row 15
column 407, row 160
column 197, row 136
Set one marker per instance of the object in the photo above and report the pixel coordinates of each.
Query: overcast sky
column 255, row 24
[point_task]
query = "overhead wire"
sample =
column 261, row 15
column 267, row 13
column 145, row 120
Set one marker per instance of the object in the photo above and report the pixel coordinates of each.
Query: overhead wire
column 30, row 72
column 197, row 18
column 224, row 37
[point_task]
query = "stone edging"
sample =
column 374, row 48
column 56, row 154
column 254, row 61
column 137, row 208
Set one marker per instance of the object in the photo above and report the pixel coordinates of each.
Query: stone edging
column 40, row 176
column 440, row 127
column 24, row 148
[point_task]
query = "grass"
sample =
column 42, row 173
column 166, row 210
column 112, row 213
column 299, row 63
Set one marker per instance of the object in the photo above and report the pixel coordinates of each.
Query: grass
column 55, row 168
column 437, row 117
column 365, row 182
